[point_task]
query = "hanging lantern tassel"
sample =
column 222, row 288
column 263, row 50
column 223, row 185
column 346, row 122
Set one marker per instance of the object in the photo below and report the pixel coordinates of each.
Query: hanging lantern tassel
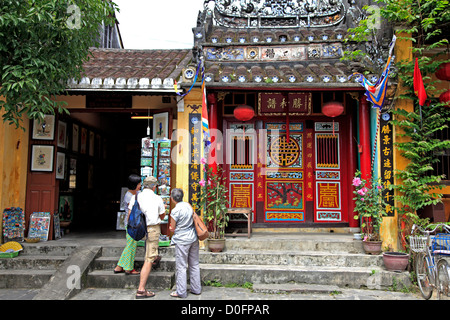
column 332, row 109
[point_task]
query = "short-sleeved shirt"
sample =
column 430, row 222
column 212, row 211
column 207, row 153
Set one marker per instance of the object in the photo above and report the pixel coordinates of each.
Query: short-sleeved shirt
column 151, row 205
column 184, row 230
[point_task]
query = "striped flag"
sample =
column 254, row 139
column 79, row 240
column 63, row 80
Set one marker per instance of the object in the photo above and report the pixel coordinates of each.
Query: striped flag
column 376, row 93
column 205, row 123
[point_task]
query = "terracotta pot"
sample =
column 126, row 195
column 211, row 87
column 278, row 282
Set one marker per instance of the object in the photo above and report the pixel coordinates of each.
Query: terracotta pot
column 372, row 247
column 395, row 261
column 216, row 245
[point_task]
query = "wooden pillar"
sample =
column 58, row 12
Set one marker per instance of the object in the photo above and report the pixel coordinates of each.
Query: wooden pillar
column 364, row 138
column 212, row 102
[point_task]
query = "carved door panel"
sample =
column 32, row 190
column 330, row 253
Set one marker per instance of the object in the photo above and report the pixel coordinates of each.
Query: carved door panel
column 328, row 173
column 285, row 174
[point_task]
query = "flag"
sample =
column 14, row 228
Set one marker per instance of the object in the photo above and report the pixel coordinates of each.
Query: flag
column 205, row 124
column 376, row 93
column 419, row 88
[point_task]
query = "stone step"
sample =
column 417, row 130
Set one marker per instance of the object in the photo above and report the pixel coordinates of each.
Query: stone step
column 47, row 248
column 32, row 262
column 21, row 279
column 109, row 263
column 351, row 277
column 295, row 258
column 108, row 279
column 316, row 245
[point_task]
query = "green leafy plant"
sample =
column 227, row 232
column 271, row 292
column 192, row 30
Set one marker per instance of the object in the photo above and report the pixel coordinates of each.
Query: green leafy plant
column 370, row 206
column 213, row 199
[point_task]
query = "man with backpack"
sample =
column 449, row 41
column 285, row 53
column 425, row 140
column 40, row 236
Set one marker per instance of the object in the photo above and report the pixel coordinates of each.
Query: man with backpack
column 153, row 208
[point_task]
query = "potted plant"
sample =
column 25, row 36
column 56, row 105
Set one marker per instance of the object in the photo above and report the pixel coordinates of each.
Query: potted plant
column 371, row 207
column 213, row 199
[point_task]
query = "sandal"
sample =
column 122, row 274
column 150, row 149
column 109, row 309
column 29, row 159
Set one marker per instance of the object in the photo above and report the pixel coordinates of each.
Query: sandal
column 174, row 294
column 144, row 294
column 132, row 272
column 121, row 271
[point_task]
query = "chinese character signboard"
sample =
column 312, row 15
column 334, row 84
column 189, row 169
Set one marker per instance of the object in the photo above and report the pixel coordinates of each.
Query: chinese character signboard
column 387, row 169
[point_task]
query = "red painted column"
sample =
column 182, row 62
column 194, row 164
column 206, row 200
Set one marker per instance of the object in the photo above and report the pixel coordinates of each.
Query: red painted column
column 212, row 103
column 364, row 138
column 352, row 166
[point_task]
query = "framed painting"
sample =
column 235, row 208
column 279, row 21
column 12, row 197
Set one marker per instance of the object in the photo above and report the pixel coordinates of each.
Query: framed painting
column 60, row 165
column 44, row 129
column 83, row 140
column 75, row 136
column 65, row 208
column 61, row 137
column 39, row 225
column 161, row 125
column 42, row 158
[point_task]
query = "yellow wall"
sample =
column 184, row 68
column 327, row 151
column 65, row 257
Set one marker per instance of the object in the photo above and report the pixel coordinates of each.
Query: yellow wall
column 182, row 147
column 13, row 165
column 390, row 228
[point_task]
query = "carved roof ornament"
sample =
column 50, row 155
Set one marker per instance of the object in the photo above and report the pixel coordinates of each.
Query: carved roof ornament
column 277, row 13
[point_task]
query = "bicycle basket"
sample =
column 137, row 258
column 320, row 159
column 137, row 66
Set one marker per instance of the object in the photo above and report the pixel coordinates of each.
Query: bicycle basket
column 418, row 243
column 441, row 244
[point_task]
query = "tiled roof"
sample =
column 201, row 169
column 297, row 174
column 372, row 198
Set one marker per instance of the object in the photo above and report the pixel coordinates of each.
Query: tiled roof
column 121, row 69
column 279, row 57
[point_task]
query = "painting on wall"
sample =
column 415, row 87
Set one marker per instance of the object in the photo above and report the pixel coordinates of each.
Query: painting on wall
column 75, row 136
column 61, row 137
column 83, row 140
column 44, row 129
column 42, row 158
column 161, row 125
column 65, row 208
column 60, row 165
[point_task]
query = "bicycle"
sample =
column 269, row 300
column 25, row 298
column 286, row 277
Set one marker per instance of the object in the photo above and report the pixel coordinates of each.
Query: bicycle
column 432, row 269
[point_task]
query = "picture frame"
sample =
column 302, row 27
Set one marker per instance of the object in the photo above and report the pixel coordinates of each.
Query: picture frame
column 66, row 203
column 160, row 126
column 83, row 140
column 91, row 143
column 120, row 223
column 60, row 165
column 56, row 226
column 75, row 136
column 39, row 225
column 62, row 134
column 42, row 158
column 45, row 129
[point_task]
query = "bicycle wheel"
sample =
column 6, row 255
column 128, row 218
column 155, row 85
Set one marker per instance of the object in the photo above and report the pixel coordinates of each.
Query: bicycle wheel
column 423, row 276
column 442, row 282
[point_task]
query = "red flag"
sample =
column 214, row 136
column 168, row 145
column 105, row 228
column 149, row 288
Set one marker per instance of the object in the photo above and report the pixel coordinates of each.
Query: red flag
column 419, row 89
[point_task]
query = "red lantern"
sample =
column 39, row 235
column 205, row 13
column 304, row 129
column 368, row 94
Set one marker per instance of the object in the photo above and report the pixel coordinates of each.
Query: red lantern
column 443, row 72
column 332, row 109
column 244, row 113
column 445, row 97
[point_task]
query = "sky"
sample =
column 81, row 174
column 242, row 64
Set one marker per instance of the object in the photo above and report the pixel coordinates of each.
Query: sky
column 158, row 24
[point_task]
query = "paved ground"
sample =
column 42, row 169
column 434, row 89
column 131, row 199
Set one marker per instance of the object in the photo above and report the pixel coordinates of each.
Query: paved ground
column 221, row 293
column 218, row 294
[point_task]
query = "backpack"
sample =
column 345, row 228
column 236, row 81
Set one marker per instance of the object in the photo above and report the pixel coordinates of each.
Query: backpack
column 137, row 224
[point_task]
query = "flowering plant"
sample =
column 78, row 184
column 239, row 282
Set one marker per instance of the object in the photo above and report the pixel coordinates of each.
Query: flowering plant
column 370, row 206
column 213, row 199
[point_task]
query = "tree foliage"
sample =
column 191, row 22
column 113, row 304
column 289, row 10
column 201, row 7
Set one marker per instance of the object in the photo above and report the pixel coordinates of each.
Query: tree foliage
column 43, row 44
column 426, row 23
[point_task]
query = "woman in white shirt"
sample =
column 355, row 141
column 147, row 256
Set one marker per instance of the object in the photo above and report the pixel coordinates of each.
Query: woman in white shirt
column 186, row 245
column 126, row 262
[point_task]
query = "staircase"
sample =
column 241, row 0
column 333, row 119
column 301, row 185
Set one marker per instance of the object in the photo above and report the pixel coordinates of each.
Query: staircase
column 332, row 260
column 320, row 259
